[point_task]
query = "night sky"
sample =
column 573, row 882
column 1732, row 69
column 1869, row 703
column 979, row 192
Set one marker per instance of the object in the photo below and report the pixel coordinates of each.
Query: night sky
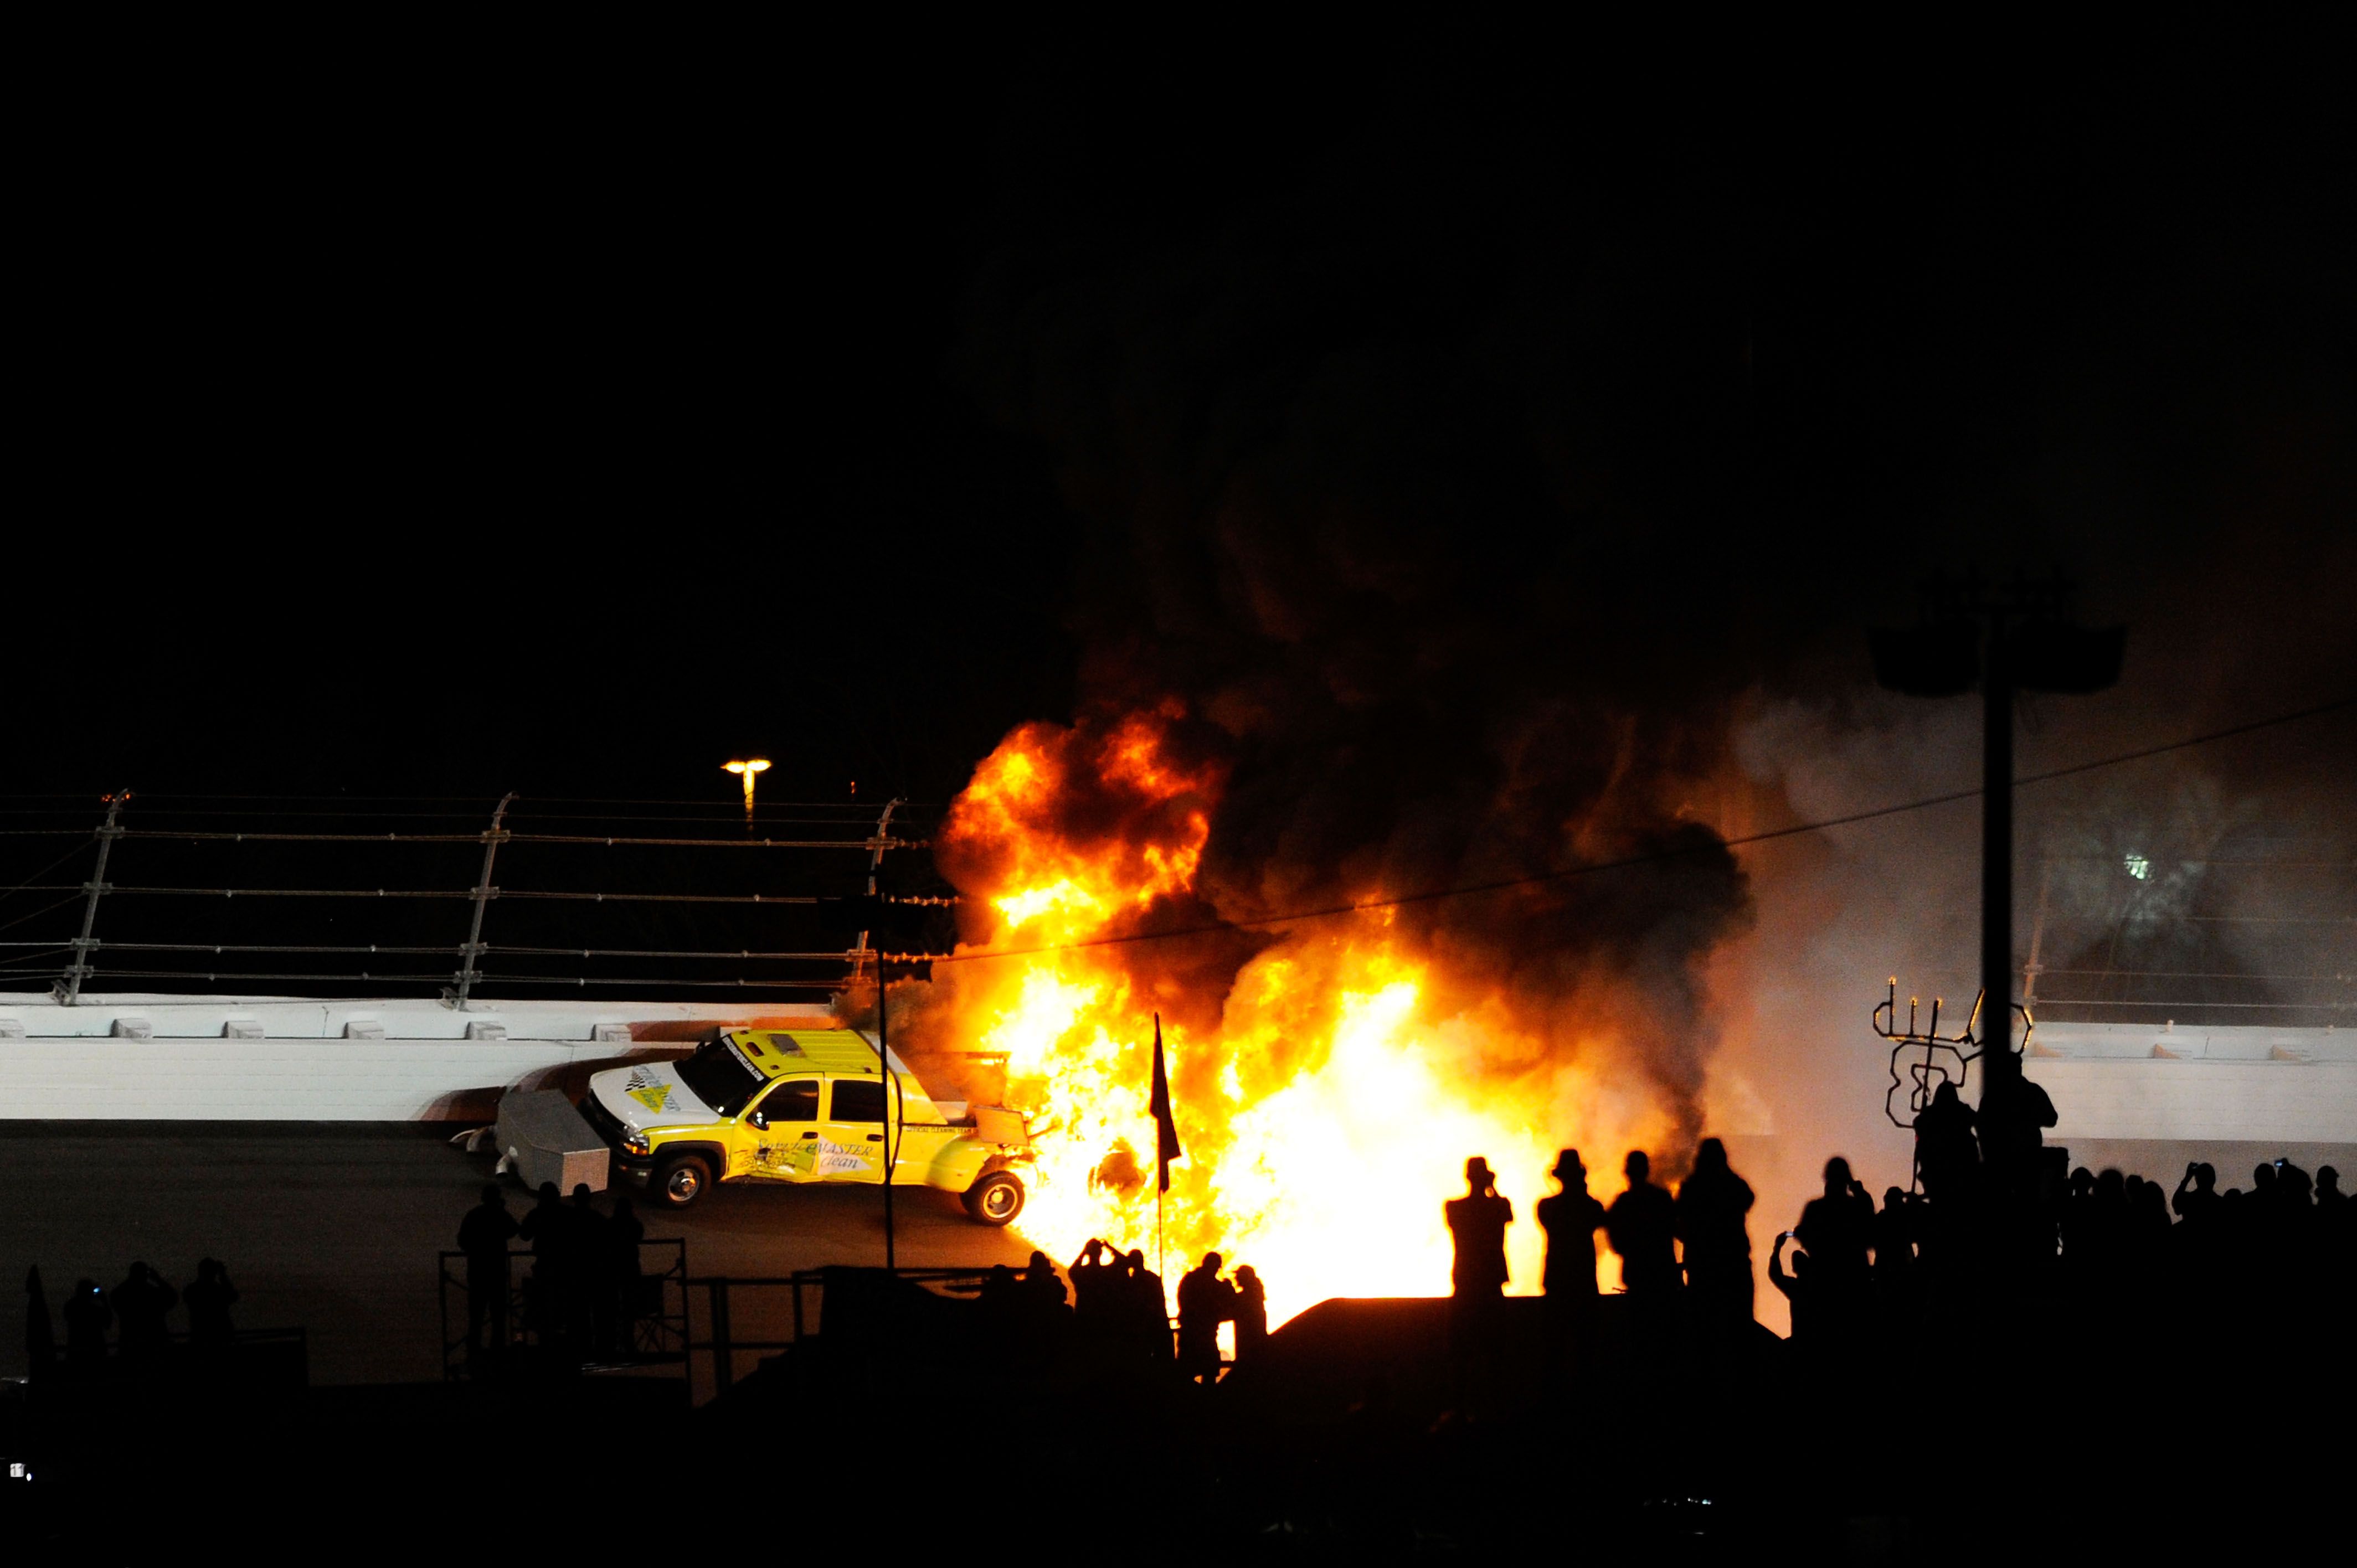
column 536, row 423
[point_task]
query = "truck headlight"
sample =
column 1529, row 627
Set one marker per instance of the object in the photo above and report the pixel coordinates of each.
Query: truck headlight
column 636, row 1143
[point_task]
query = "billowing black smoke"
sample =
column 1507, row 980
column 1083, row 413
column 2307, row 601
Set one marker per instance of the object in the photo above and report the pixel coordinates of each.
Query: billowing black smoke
column 1469, row 458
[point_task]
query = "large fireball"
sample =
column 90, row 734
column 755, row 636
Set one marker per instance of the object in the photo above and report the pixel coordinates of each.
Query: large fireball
column 1326, row 1099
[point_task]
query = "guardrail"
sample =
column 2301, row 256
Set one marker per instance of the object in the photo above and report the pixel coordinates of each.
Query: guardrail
column 723, row 1344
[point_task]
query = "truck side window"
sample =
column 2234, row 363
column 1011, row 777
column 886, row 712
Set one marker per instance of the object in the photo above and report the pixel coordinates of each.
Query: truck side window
column 858, row 1100
column 796, row 1101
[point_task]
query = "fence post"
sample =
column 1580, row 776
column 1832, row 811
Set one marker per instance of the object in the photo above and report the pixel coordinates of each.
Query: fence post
column 493, row 836
column 875, row 865
column 69, row 990
column 724, row 1354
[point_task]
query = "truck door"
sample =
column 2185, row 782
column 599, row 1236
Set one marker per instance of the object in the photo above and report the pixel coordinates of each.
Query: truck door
column 851, row 1140
column 786, row 1148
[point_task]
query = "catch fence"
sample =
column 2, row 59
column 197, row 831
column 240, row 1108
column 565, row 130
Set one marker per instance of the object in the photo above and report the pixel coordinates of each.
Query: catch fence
column 175, row 894
column 2248, row 930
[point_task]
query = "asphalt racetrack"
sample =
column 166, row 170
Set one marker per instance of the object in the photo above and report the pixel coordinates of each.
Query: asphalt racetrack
column 333, row 1227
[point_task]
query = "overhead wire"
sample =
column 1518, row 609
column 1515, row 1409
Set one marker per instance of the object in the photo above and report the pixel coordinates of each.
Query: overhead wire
column 60, row 860
column 44, row 909
column 1656, row 857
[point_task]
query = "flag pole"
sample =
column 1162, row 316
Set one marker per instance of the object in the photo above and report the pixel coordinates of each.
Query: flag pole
column 1165, row 1140
column 1161, row 1155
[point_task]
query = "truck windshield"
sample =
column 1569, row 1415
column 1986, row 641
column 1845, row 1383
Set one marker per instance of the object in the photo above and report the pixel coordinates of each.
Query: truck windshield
column 721, row 1077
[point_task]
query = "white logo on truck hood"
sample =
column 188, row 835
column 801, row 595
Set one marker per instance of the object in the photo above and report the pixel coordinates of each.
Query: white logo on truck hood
column 640, row 1097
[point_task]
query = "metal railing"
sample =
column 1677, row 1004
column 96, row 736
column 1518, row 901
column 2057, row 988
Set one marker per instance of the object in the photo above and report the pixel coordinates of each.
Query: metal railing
column 723, row 1346
column 656, row 1325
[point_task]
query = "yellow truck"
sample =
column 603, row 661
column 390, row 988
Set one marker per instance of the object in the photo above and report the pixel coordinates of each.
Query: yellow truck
column 800, row 1106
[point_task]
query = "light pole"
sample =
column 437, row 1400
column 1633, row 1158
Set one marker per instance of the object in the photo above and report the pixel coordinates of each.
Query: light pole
column 746, row 767
column 2008, row 637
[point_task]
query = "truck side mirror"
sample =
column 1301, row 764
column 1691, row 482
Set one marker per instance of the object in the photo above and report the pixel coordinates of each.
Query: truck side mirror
column 759, row 1120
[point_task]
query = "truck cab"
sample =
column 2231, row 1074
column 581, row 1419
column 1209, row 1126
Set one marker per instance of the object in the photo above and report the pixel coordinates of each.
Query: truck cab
column 799, row 1106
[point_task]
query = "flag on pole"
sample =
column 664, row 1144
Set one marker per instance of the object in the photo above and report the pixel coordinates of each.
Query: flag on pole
column 1165, row 1130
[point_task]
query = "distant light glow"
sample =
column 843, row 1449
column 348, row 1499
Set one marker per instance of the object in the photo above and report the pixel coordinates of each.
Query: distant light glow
column 2138, row 866
column 747, row 766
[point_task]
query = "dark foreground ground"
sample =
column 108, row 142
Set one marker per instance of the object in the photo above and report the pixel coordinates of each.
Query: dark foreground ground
column 910, row 1426
column 334, row 1227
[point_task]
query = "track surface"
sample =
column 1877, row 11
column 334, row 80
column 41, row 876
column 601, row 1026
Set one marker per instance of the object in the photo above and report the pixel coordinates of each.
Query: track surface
column 334, row 1227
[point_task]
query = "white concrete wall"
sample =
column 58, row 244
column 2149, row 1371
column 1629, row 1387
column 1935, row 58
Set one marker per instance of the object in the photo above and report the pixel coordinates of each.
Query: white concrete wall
column 2199, row 1102
column 2148, row 1083
column 313, row 1061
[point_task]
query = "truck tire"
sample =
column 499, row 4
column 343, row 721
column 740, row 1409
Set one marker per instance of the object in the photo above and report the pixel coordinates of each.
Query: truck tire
column 682, row 1181
column 997, row 1198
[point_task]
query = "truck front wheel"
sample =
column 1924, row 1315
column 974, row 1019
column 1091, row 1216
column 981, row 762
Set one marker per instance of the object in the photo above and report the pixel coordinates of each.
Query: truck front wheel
column 997, row 1198
column 682, row 1181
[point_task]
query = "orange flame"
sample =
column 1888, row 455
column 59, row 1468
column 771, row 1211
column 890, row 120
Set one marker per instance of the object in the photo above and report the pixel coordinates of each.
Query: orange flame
column 1328, row 1105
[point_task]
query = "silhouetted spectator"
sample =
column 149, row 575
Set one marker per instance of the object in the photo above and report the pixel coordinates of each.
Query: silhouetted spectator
column 1946, row 1157
column 87, row 1317
column 40, row 1340
column 2014, row 1115
column 1205, row 1301
column 1041, row 1288
column 1837, row 1229
column 1895, row 1276
column 2103, row 1240
column 2329, row 1198
column 1147, row 1309
column 1477, row 1225
column 1477, row 1278
column 549, row 1228
column 2146, row 1234
column 1799, row 1288
column 1570, row 1218
column 484, row 1236
column 208, row 1298
column 2132, row 1214
column 1252, row 1316
column 140, row 1302
column 624, row 1282
column 1710, row 1209
column 1096, row 1290
column 588, row 1280
column 1000, row 1299
column 1041, row 1317
column 2196, row 1199
column 1642, row 1228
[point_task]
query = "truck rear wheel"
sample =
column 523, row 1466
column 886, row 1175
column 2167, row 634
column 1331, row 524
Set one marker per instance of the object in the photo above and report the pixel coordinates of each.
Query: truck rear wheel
column 682, row 1181
column 997, row 1198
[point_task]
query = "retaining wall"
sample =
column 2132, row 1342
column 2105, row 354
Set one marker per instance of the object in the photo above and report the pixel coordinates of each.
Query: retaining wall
column 144, row 1058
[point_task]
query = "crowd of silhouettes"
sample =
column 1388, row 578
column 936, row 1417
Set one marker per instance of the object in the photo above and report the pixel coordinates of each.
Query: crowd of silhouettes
column 138, row 1314
column 1987, row 1220
column 1116, row 1320
column 584, row 1293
